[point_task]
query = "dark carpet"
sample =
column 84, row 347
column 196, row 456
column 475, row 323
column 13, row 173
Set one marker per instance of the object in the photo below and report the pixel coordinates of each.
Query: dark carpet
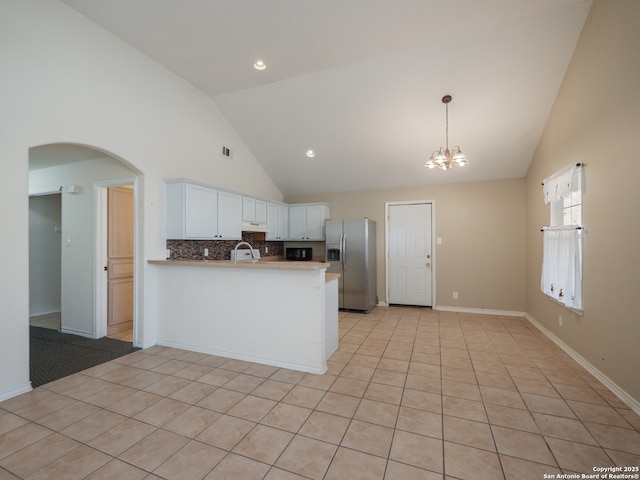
column 54, row 354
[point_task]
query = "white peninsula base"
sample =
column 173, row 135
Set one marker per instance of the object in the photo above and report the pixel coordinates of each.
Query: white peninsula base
column 283, row 314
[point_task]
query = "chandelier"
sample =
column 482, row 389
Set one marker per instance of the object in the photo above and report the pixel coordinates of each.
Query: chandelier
column 444, row 158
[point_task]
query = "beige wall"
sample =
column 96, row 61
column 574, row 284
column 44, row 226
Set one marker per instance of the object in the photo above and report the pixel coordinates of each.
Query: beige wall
column 482, row 229
column 491, row 230
column 596, row 120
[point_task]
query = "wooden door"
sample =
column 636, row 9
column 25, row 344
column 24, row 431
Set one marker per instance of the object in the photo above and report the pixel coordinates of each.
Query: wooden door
column 410, row 256
column 120, row 225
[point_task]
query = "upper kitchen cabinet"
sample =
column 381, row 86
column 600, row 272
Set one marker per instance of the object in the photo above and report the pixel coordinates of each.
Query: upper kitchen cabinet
column 306, row 221
column 229, row 216
column 254, row 210
column 199, row 212
column 277, row 221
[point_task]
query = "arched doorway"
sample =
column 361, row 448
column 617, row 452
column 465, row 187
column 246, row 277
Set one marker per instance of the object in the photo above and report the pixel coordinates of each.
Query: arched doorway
column 84, row 176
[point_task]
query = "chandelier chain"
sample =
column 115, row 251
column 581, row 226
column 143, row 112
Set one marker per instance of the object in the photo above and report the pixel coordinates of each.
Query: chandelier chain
column 446, row 106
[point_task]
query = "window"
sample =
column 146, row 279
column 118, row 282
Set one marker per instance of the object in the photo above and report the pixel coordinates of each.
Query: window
column 567, row 209
column 561, row 277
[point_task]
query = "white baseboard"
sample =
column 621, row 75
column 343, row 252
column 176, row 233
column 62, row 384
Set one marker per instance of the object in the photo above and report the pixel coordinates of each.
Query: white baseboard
column 481, row 311
column 14, row 392
column 248, row 358
column 601, row 377
column 42, row 314
column 78, row 332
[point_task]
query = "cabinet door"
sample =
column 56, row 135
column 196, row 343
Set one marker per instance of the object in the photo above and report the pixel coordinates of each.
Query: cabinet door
column 248, row 209
column 297, row 223
column 200, row 212
column 261, row 211
column 316, row 215
column 272, row 221
column 283, row 222
column 229, row 216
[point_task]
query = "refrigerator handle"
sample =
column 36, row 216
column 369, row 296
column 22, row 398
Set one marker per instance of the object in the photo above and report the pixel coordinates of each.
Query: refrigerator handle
column 343, row 247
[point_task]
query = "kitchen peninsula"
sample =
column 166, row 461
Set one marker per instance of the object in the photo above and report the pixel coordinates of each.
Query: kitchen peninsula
column 272, row 312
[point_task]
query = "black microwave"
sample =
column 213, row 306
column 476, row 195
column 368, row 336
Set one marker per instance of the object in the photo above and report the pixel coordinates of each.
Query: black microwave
column 299, row 254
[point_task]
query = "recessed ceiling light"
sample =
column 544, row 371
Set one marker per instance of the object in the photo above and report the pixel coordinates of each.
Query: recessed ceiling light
column 311, row 153
column 259, row 65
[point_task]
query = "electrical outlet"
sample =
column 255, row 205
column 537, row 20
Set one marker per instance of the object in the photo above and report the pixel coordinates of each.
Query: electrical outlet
column 206, row 252
column 455, row 295
column 266, row 249
column 560, row 320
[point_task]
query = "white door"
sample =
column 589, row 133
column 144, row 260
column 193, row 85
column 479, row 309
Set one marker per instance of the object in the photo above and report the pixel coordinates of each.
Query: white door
column 410, row 255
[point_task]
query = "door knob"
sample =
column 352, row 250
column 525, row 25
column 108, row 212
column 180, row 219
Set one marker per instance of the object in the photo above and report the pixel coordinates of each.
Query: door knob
column 428, row 264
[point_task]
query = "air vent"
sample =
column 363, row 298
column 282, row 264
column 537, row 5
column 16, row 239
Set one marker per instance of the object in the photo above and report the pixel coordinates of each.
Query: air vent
column 226, row 152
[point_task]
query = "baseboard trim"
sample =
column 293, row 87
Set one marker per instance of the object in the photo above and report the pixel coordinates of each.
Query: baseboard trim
column 248, row 358
column 14, row 392
column 481, row 311
column 631, row 402
column 42, row 314
column 145, row 345
column 77, row 332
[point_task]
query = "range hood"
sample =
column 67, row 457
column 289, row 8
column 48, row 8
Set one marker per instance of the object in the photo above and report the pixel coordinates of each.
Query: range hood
column 254, row 227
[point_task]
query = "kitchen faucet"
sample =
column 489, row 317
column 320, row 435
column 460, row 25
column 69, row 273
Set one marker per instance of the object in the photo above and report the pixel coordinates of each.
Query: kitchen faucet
column 235, row 250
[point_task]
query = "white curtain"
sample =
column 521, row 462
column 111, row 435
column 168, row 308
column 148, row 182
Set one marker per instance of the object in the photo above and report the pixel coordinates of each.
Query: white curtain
column 562, row 266
column 560, row 183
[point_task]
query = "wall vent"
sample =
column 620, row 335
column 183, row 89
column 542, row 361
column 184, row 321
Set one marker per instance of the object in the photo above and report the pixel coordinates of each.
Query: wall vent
column 226, row 152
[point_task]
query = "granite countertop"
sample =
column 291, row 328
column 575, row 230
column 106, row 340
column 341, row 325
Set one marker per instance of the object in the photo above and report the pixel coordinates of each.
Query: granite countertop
column 273, row 265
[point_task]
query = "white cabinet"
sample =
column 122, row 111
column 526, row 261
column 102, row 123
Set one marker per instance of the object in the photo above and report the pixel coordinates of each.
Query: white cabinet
column 254, row 210
column 283, row 222
column 306, row 222
column 229, row 216
column 199, row 212
column 261, row 211
column 277, row 221
column 297, row 222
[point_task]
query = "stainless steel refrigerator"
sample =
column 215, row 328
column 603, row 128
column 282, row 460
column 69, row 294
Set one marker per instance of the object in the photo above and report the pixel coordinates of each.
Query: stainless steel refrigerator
column 350, row 248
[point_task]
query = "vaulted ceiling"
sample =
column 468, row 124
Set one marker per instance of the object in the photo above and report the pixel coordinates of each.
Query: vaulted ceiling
column 361, row 81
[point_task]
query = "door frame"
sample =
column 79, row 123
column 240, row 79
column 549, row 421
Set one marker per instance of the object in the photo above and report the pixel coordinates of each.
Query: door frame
column 433, row 245
column 101, row 295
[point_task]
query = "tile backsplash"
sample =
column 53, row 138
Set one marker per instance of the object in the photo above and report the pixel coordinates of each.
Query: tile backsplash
column 219, row 249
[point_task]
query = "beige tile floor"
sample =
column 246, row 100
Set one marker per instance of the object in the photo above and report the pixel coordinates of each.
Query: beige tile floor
column 410, row 394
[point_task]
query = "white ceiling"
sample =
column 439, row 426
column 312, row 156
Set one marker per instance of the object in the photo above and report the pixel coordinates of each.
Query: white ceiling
column 361, row 81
